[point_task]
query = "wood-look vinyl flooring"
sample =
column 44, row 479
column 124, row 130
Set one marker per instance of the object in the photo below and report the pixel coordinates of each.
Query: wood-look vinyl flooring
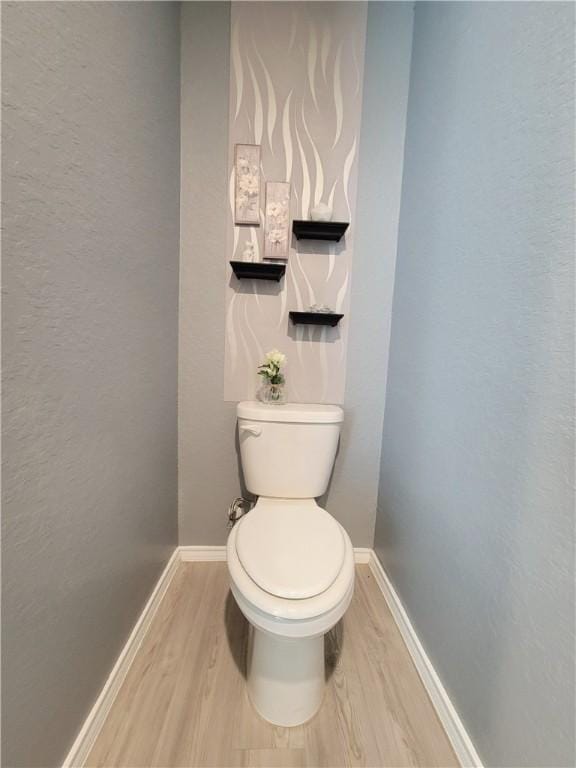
column 184, row 702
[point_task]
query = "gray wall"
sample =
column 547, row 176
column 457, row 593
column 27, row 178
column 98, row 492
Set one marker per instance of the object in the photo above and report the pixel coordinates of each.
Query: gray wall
column 353, row 492
column 475, row 522
column 209, row 476
column 90, row 279
column 208, row 469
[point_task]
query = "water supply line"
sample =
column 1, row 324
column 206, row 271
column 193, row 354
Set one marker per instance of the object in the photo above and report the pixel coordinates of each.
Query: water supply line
column 238, row 508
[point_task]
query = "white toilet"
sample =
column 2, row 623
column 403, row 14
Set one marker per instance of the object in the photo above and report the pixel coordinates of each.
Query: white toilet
column 291, row 564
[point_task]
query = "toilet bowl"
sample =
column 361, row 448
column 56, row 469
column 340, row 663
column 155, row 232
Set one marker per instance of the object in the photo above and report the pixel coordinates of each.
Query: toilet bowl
column 291, row 564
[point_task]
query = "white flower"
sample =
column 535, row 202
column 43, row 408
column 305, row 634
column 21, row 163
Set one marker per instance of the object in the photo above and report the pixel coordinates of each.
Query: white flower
column 274, row 209
column 270, row 368
column 249, row 185
column 276, row 357
column 277, row 236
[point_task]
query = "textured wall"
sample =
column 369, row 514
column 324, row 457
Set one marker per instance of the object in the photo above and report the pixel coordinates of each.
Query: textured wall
column 90, row 280
column 209, row 477
column 296, row 89
column 352, row 495
column 475, row 523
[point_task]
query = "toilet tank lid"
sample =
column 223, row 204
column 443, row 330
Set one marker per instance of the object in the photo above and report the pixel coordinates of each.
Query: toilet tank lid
column 296, row 413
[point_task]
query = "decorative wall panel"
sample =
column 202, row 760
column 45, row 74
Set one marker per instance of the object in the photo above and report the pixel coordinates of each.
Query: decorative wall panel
column 296, row 90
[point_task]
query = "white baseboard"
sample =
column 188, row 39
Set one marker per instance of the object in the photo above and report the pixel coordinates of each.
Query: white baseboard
column 218, row 554
column 453, row 726
column 203, row 554
column 362, row 555
column 455, row 730
column 86, row 738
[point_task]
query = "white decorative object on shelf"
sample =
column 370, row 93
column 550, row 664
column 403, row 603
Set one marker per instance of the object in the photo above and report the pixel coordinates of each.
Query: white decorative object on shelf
column 247, row 186
column 248, row 252
column 321, row 212
column 277, row 225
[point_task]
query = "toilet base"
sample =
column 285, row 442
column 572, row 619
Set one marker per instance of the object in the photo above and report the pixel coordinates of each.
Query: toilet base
column 285, row 677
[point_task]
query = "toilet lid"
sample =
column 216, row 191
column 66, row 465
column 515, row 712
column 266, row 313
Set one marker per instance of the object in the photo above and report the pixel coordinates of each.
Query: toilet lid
column 290, row 549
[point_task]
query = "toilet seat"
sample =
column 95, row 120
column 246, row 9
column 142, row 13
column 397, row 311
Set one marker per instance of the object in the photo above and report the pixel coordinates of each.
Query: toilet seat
column 291, row 618
column 291, row 548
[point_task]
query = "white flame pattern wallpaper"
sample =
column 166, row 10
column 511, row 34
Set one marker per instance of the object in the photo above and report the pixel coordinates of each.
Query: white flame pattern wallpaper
column 296, row 75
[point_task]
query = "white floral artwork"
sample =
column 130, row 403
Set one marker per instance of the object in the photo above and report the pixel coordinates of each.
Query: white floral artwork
column 247, row 186
column 277, row 225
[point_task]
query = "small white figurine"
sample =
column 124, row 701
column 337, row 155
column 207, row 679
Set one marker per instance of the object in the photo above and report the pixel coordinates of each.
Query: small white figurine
column 248, row 252
column 321, row 212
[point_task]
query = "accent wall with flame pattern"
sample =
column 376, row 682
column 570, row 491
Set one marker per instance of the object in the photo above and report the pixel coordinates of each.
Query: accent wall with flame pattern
column 296, row 73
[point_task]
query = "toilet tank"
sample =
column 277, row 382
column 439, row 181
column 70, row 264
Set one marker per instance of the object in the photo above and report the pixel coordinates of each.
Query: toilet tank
column 288, row 450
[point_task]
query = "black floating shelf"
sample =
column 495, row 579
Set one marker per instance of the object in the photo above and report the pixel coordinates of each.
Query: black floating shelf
column 319, row 230
column 316, row 318
column 258, row 270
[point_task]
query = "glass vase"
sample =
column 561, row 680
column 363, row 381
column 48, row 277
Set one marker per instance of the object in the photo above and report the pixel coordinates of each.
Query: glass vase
column 273, row 394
